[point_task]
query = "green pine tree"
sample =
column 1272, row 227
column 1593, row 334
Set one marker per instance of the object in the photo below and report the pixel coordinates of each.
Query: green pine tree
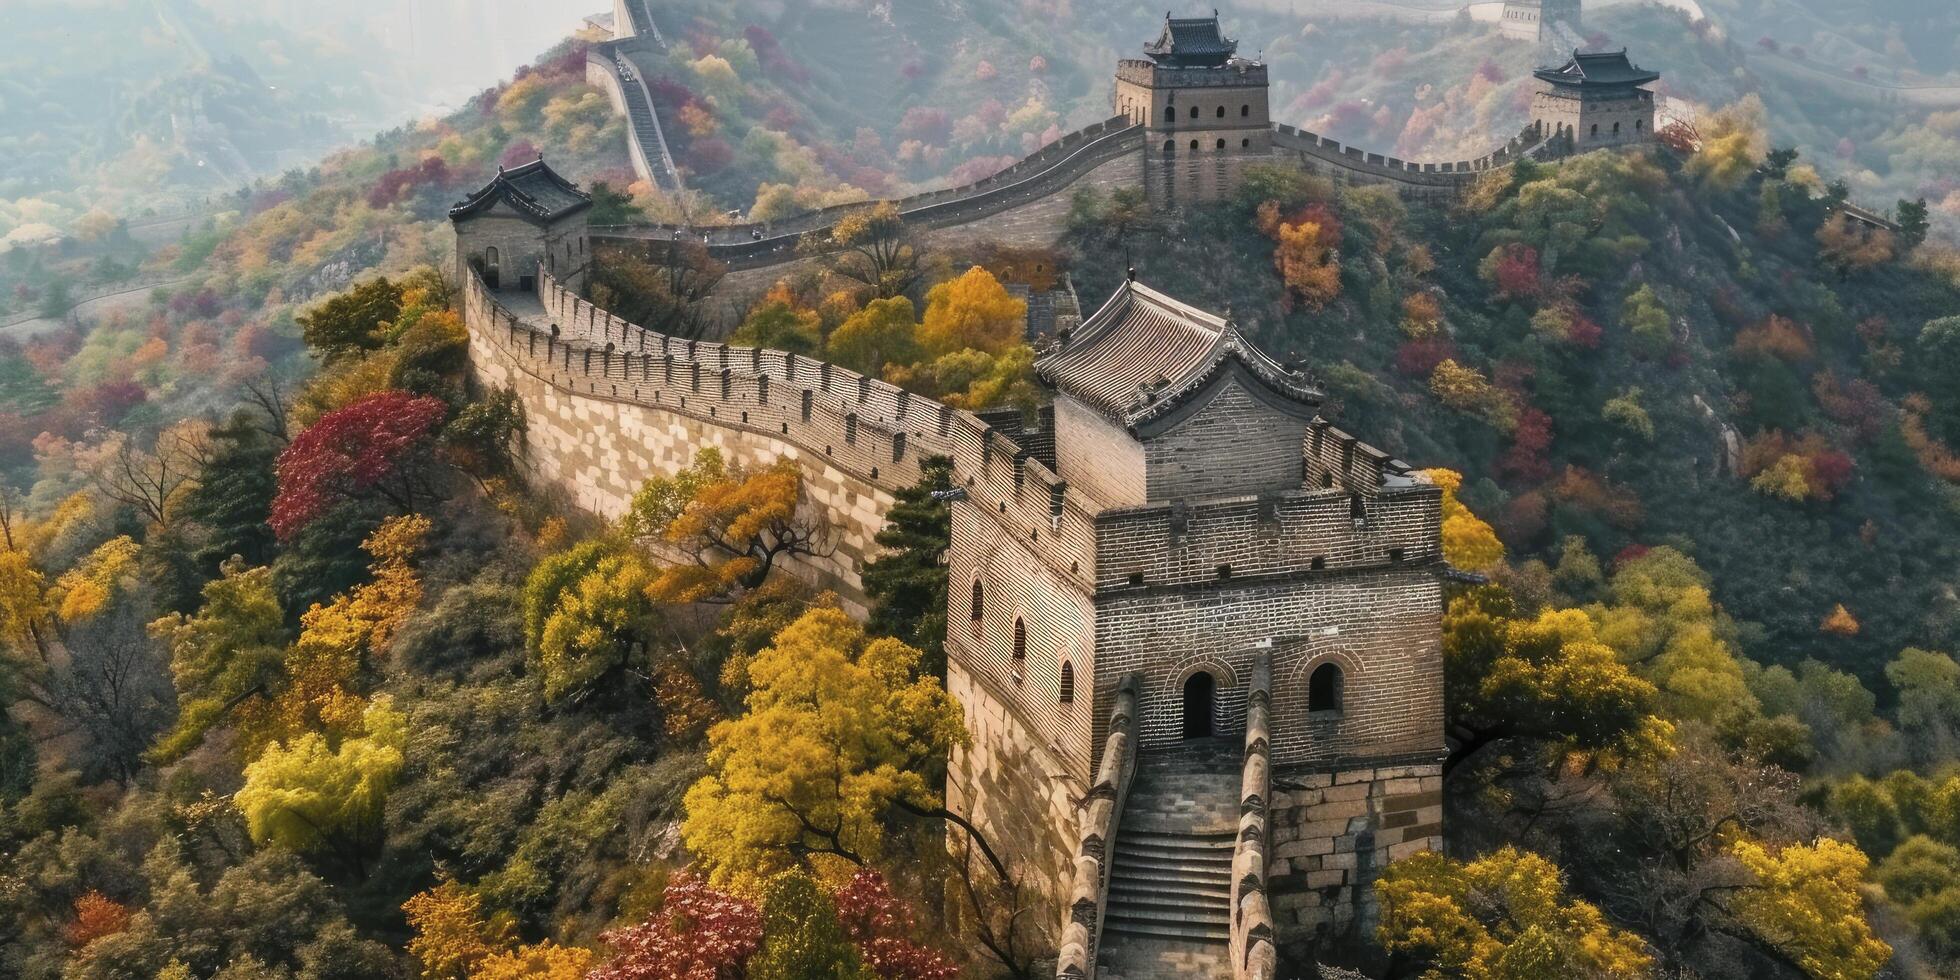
column 907, row 586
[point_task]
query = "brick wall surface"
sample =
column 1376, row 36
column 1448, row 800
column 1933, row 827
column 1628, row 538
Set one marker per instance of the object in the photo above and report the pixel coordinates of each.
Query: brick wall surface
column 1332, row 834
column 1231, row 446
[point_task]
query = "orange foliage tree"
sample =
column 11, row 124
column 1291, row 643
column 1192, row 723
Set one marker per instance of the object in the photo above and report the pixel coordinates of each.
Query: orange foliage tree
column 727, row 526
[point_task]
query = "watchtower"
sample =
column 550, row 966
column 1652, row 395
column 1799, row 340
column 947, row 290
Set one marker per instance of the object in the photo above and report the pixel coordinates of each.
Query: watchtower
column 524, row 219
column 1596, row 100
column 1198, row 100
column 1208, row 526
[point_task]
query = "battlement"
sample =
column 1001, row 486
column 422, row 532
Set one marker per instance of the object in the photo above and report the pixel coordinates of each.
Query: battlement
column 1236, row 73
column 1311, row 532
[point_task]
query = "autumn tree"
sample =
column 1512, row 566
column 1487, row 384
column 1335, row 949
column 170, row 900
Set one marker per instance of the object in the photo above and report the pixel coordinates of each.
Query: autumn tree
column 1850, row 245
column 663, row 286
column 1504, row 916
column 872, row 246
column 376, row 447
column 778, row 325
column 451, row 934
column 728, row 524
column 228, row 651
column 587, row 610
column 972, row 311
column 801, row 936
column 151, row 482
column 882, row 928
column 1468, row 543
column 314, row 796
column 841, row 728
column 697, row 934
column 351, row 322
column 1547, row 678
column 1804, row 903
column 882, row 333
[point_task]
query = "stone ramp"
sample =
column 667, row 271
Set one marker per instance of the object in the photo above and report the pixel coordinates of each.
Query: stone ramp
column 1169, row 912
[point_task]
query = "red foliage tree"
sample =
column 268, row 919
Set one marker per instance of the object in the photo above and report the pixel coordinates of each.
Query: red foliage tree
column 1417, row 358
column 377, row 445
column 1516, row 272
column 1525, row 461
column 881, row 926
column 698, row 934
column 393, row 185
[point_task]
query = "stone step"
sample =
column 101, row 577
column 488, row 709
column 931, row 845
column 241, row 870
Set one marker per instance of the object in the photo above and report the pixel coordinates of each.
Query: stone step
column 1183, row 881
column 1217, row 859
column 1142, row 896
column 1215, row 929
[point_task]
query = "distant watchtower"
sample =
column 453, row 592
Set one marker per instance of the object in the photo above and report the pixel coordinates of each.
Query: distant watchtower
column 527, row 218
column 1597, row 100
column 1198, row 100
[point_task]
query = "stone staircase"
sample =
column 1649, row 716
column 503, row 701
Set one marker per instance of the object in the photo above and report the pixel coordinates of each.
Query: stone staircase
column 1168, row 913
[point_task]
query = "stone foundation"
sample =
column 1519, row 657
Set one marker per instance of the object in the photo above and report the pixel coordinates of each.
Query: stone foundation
column 1333, row 833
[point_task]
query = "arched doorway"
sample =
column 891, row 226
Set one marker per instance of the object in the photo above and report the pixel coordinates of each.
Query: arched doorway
column 492, row 268
column 1200, row 694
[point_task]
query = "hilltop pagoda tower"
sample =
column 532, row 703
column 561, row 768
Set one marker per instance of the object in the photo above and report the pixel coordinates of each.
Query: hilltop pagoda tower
column 1596, row 100
column 1203, row 107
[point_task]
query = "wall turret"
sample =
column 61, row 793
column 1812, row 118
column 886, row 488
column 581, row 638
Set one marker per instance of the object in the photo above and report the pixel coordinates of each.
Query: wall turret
column 525, row 219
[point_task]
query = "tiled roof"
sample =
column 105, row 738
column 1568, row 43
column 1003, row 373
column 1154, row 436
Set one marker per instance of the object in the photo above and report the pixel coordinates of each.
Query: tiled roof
column 1601, row 68
column 1192, row 41
column 533, row 189
column 1144, row 355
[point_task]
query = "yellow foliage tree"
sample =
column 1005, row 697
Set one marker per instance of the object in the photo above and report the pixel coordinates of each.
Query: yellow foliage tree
column 539, row 961
column 840, row 729
column 972, row 312
column 1468, row 542
column 1734, row 141
column 1501, row 917
column 1805, row 901
column 85, row 590
column 451, row 935
column 314, row 796
column 730, row 525
column 881, row 333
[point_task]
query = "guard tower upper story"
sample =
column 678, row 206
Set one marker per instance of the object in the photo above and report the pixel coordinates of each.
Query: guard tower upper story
column 1159, row 401
column 1597, row 100
column 1194, row 93
column 524, row 219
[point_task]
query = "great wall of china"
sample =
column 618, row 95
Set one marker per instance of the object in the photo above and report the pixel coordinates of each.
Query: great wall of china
column 1204, row 684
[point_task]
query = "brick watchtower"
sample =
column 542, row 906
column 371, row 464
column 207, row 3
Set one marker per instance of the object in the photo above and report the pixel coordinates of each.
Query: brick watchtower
column 1208, row 529
column 1596, row 100
column 526, row 219
column 1199, row 102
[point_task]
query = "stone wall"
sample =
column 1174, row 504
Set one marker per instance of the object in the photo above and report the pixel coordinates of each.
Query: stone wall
column 611, row 404
column 1333, row 833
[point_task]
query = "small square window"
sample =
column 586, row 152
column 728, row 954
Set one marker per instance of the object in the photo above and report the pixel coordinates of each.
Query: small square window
column 1136, row 578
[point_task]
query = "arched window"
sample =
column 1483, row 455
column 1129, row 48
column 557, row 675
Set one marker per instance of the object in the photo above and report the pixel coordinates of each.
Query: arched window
column 1324, row 688
column 1068, row 683
column 1637, row 123
column 1199, row 695
column 1020, row 642
column 979, row 600
column 492, row 267
column 1194, row 144
column 1194, row 112
column 1170, row 113
column 1221, row 144
column 1245, row 144
column 1170, row 147
column 1616, row 129
column 1221, row 112
column 1595, row 129
column 1244, row 111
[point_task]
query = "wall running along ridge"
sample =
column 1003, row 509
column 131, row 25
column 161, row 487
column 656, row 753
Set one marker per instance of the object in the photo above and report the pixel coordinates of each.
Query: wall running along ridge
column 602, row 422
